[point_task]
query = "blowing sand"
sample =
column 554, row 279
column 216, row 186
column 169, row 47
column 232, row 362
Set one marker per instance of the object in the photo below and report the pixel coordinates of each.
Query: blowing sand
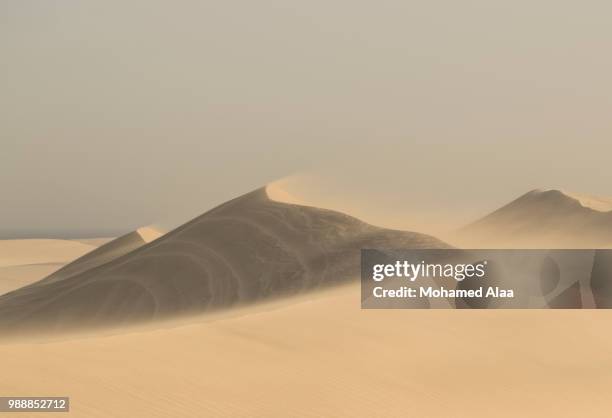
column 321, row 356
column 598, row 203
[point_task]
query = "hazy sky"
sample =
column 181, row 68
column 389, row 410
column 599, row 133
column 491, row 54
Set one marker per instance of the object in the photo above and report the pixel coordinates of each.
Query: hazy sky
column 115, row 114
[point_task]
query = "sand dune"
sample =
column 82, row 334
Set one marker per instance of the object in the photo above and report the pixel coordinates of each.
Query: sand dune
column 543, row 218
column 245, row 250
column 106, row 253
column 321, row 356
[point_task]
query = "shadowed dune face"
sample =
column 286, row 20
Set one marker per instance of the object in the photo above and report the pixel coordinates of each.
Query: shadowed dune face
column 543, row 219
column 248, row 249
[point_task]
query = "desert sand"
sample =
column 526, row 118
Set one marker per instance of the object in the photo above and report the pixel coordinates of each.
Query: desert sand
column 20, row 252
column 321, row 356
column 96, row 242
column 313, row 354
column 14, row 277
column 25, row 261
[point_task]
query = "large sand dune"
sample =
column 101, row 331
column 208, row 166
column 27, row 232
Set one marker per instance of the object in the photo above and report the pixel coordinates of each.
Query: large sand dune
column 322, row 356
column 544, row 218
column 245, row 250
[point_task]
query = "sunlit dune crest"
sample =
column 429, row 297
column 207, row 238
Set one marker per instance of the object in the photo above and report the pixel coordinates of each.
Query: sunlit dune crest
column 277, row 191
column 149, row 233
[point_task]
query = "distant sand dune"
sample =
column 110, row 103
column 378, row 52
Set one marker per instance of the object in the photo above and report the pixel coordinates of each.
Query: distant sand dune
column 25, row 261
column 18, row 252
column 543, row 218
column 96, row 242
column 14, row 277
column 248, row 249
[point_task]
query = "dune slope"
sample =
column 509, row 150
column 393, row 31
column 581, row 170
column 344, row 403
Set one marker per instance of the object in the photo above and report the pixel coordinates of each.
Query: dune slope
column 248, row 249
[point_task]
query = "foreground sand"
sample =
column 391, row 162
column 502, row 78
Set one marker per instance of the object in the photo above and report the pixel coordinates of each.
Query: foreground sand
column 321, row 356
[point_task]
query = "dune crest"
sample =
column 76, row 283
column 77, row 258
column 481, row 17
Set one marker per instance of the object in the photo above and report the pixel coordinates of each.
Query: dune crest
column 277, row 191
column 149, row 233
